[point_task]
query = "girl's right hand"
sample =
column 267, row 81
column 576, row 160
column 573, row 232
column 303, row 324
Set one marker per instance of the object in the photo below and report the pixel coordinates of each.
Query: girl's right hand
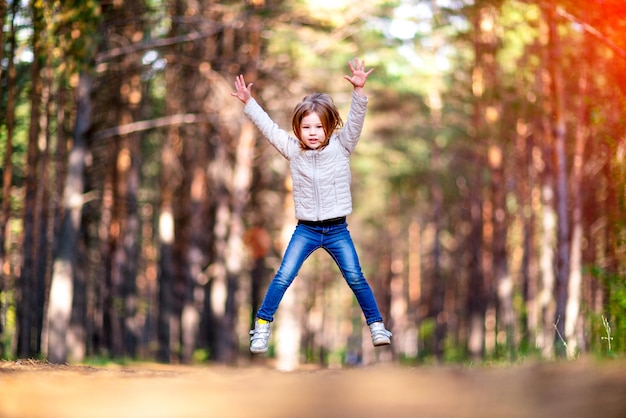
column 243, row 92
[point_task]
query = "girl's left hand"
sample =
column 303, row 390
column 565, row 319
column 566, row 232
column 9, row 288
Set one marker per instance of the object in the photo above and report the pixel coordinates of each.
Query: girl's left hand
column 359, row 75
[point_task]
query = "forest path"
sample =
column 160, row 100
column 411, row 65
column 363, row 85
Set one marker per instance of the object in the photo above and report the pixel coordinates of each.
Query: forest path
column 577, row 389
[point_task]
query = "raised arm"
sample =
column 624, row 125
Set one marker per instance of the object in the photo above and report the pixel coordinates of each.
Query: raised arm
column 358, row 77
column 279, row 138
column 243, row 92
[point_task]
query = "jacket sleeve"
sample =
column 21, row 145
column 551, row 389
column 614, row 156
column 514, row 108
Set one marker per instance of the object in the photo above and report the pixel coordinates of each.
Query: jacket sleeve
column 351, row 132
column 285, row 144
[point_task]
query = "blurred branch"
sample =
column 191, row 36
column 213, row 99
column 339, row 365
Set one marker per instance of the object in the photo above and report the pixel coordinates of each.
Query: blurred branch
column 592, row 31
column 145, row 125
column 157, row 43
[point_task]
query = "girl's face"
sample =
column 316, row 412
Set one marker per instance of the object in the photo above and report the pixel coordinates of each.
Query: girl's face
column 312, row 131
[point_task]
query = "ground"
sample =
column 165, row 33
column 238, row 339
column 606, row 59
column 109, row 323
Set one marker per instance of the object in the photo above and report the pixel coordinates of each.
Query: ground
column 575, row 389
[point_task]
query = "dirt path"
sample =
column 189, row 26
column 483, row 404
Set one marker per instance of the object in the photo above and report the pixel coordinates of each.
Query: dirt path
column 579, row 389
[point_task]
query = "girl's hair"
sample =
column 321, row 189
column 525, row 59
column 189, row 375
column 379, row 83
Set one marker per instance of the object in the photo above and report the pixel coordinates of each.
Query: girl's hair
column 323, row 105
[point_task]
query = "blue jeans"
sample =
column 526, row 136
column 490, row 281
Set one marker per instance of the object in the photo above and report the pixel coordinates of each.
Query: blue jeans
column 336, row 240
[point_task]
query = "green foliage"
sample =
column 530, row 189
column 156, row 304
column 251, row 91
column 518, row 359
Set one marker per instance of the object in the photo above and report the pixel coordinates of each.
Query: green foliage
column 520, row 21
column 73, row 25
column 201, row 356
column 20, row 133
column 608, row 330
column 10, row 325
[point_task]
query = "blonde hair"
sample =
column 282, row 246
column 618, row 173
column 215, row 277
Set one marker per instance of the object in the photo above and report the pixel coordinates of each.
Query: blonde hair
column 323, row 105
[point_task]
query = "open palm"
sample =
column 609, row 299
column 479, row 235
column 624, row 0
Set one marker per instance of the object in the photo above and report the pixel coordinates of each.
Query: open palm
column 359, row 75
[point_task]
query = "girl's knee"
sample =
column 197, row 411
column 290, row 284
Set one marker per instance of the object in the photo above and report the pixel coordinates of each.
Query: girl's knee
column 356, row 280
column 282, row 281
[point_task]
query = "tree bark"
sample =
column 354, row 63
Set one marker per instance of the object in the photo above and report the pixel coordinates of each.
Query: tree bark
column 527, row 189
column 501, row 286
column 28, row 337
column 398, row 284
column 503, row 279
column 548, row 218
column 558, row 130
column 43, row 220
column 438, row 285
column 438, row 288
column 240, row 196
column 7, row 166
column 166, row 262
column 240, row 190
column 574, row 298
column 168, row 320
column 61, row 288
column 287, row 328
column 196, row 161
column 477, row 297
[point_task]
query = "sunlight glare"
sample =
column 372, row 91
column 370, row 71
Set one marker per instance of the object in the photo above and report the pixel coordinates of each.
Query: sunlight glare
column 329, row 5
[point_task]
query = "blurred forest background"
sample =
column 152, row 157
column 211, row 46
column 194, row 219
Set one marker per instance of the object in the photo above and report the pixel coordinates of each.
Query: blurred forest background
column 143, row 216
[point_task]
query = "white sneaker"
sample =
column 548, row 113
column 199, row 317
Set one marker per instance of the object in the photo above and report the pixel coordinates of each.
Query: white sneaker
column 260, row 337
column 380, row 336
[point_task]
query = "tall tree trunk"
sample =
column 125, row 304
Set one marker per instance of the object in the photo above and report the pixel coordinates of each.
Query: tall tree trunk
column 438, row 286
column 414, row 278
column 196, row 157
column 527, row 184
column 198, row 85
column 124, row 245
column 558, row 130
column 218, row 285
column 398, row 303
column 548, row 219
column 240, row 190
column 545, row 305
column 477, row 297
column 503, row 279
column 166, row 260
column 574, row 298
column 122, row 183
column 128, row 244
column 193, row 225
column 107, row 333
column 231, row 176
column 29, row 289
column 61, row 288
column 43, row 202
column 240, row 194
column 7, row 166
column 60, row 158
column 129, row 166
column 499, row 285
column 287, row 328
column 500, row 281
column 169, row 182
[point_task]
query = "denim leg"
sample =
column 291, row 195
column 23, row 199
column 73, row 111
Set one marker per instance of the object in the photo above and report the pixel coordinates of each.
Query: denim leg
column 340, row 246
column 304, row 241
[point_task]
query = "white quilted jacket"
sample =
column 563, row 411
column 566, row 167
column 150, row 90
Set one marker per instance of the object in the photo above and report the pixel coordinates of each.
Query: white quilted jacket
column 321, row 178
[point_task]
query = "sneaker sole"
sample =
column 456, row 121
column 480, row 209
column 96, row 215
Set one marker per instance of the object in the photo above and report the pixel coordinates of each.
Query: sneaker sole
column 381, row 343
